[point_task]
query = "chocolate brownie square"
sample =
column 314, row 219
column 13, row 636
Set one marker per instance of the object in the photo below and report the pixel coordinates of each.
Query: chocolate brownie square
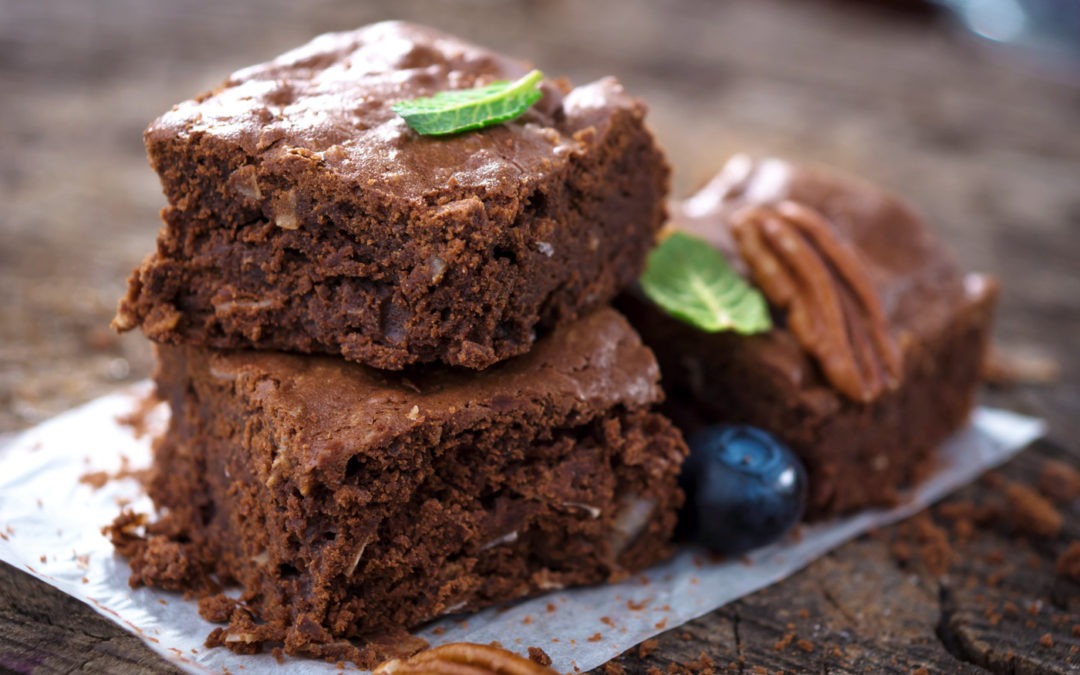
column 305, row 215
column 349, row 502
column 878, row 340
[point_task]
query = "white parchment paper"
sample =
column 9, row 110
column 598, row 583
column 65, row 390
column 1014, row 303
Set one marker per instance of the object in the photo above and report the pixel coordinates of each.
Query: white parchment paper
column 50, row 526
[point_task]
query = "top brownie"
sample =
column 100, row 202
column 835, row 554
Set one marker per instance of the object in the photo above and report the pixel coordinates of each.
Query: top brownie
column 305, row 215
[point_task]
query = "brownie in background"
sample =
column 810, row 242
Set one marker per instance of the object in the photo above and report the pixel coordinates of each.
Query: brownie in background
column 864, row 395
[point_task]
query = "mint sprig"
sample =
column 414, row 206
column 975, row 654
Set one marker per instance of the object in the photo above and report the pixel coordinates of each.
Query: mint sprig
column 449, row 112
column 691, row 281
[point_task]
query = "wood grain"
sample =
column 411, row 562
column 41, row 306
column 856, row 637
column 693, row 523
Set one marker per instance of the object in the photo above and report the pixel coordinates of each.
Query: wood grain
column 987, row 150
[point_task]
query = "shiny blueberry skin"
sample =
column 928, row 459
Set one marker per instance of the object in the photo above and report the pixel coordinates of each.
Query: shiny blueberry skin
column 744, row 488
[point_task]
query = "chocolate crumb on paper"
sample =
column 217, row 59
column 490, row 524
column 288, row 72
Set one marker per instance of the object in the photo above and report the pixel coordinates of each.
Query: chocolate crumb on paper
column 98, row 479
column 539, row 656
column 139, row 420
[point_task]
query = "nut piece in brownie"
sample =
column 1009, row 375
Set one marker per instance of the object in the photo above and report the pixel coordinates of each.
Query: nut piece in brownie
column 305, row 215
column 878, row 339
column 349, row 502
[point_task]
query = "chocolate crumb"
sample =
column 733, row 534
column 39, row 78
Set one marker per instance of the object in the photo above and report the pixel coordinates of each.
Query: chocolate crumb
column 1059, row 481
column 920, row 671
column 783, row 642
column 550, row 607
column 1047, row 640
column 95, row 479
column 612, row 668
column 539, row 656
column 702, row 664
column 1068, row 563
column 439, row 630
column 1030, row 512
column 596, row 637
column 805, row 645
column 646, row 648
column 686, row 637
column 922, row 534
column 138, row 420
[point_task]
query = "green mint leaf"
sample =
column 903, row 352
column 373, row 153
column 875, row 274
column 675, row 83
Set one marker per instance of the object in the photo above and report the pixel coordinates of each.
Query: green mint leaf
column 692, row 282
column 449, row 112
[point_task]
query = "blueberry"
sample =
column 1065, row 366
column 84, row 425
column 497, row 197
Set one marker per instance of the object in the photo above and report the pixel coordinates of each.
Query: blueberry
column 744, row 488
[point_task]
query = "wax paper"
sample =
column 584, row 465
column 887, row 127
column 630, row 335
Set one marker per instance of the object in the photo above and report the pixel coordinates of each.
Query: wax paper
column 52, row 510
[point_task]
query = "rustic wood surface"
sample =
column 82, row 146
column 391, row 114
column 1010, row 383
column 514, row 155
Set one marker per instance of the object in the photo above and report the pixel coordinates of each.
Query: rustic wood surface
column 988, row 150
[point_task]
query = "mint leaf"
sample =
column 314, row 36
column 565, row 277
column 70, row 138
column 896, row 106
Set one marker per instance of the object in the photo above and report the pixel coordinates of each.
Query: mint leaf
column 692, row 282
column 449, row 112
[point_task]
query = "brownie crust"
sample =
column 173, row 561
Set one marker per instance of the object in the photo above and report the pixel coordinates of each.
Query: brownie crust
column 351, row 503
column 304, row 215
column 858, row 452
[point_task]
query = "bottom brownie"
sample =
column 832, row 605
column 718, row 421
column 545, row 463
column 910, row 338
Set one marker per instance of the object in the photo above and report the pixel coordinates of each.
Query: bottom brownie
column 350, row 503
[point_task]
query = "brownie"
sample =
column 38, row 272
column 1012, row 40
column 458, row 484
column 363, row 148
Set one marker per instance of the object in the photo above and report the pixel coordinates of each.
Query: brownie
column 305, row 215
column 349, row 502
column 875, row 354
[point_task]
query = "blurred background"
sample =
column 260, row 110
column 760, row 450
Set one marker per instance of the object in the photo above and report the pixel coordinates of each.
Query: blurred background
column 970, row 109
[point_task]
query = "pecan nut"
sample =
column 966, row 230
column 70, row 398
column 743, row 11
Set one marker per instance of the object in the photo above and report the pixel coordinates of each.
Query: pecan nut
column 463, row 658
column 832, row 308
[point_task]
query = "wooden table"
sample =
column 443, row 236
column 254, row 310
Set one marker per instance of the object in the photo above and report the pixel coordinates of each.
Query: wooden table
column 990, row 152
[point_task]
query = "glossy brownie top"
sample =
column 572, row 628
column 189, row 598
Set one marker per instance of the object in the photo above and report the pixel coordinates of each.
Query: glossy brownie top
column 328, row 102
column 330, row 409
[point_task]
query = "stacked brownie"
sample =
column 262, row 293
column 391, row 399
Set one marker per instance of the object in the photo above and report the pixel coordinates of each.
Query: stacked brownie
column 875, row 355
column 396, row 391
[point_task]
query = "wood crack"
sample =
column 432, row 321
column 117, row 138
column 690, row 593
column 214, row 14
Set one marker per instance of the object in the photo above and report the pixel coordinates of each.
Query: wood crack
column 739, row 658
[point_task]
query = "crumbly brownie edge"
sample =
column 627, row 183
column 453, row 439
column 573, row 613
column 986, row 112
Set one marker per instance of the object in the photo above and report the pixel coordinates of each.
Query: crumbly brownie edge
column 404, row 570
column 466, row 285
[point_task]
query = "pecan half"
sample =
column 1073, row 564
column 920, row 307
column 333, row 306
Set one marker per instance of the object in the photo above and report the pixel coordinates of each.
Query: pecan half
column 463, row 658
column 832, row 308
